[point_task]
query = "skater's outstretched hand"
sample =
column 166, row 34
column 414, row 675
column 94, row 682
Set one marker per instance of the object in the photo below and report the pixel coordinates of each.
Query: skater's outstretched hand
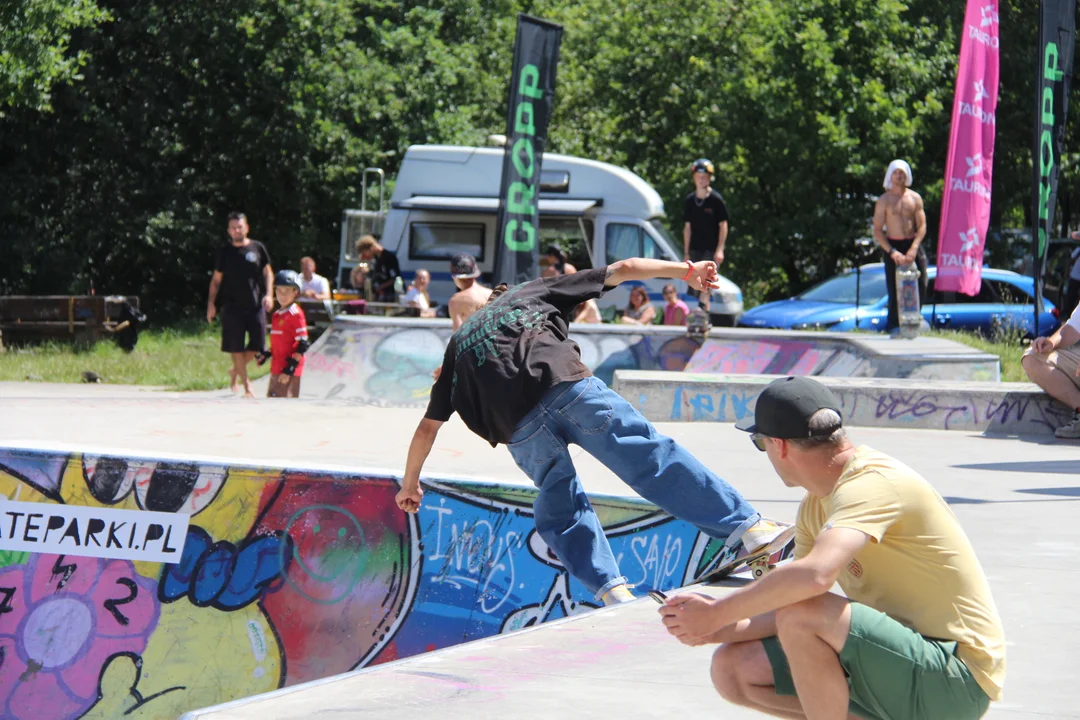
column 408, row 499
column 704, row 276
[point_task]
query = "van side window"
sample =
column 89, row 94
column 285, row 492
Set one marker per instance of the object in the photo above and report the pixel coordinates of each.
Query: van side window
column 625, row 241
column 443, row 240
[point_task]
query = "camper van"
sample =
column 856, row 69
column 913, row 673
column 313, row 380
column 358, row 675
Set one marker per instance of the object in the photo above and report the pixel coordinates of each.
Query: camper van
column 446, row 200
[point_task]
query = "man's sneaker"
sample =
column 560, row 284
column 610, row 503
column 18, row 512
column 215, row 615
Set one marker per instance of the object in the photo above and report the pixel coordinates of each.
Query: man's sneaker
column 618, row 594
column 761, row 534
column 1070, row 430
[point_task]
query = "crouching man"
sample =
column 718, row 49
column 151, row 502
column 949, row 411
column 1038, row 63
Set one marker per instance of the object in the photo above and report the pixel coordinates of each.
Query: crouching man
column 918, row 635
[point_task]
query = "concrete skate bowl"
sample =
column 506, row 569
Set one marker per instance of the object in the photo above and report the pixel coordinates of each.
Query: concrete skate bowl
column 145, row 587
column 389, row 362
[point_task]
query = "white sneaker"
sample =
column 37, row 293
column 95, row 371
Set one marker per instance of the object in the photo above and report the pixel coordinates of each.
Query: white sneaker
column 1070, row 430
column 618, row 594
column 762, row 533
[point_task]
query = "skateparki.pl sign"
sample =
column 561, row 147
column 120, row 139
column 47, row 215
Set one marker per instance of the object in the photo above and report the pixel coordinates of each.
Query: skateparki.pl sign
column 92, row 532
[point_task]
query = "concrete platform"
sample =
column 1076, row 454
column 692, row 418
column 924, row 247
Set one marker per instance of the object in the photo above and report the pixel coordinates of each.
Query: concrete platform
column 991, row 407
column 1016, row 497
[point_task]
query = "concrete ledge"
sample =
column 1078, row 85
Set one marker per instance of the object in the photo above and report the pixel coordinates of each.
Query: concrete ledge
column 998, row 408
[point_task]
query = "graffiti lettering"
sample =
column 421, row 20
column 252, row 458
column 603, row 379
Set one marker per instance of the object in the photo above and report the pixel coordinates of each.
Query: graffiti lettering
column 475, row 555
column 660, row 564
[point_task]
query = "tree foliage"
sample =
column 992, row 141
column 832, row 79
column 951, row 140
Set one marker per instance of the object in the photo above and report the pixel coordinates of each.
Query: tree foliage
column 34, row 38
column 185, row 111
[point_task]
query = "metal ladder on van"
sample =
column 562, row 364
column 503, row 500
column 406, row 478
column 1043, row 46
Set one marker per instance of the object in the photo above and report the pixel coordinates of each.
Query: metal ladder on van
column 355, row 224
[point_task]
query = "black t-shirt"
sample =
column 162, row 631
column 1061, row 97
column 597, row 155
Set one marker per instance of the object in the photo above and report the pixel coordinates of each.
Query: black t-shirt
column 384, row 267
column 503, row 359
column 704, row 217
column 242, row 283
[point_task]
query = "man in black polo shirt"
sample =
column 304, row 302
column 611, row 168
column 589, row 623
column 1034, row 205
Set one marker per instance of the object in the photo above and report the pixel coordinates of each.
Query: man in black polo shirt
column 706, row 221
column 243, row 275
column 515, row 377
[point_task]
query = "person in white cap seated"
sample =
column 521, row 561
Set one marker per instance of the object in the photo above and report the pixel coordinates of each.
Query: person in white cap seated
column 899, row 229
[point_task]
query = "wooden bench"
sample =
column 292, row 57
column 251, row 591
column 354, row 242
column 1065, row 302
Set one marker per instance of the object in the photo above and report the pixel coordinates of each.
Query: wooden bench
column 81, row 318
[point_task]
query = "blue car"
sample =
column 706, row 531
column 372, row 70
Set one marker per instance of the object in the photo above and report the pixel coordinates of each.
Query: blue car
column 1005, row 301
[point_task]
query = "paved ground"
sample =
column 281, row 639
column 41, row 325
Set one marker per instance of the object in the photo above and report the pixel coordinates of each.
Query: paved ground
column 1016, row 497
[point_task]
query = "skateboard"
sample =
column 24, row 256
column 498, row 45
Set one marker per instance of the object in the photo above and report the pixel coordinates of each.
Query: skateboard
column 697, row 324
column 907, row 299
column 759, row 562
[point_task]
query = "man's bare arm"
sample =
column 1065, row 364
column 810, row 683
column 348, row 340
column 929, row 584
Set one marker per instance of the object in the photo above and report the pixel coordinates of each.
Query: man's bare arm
column 1064, row 336
column 879, row 223
column 794, row 582
column 920, row 226
column 408, row 498
column 268, row 276
column 215, row 285
column 686, row 241
column 703, row 274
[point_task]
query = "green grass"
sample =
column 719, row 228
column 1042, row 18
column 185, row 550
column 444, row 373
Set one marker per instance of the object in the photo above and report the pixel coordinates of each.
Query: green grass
column 1009, row 348
column 190, row 359
column 182, row 359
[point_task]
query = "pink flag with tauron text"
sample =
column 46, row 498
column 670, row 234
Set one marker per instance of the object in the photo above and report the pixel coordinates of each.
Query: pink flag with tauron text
column 965, row 203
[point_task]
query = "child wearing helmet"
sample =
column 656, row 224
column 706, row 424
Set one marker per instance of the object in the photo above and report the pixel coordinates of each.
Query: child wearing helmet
column 288, row 338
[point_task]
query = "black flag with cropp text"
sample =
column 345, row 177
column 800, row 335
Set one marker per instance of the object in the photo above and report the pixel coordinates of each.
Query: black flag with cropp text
column 532, row 98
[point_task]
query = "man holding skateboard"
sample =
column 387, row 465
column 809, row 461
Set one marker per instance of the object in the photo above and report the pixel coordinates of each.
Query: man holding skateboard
column 514, row 376
column 918, row 634
column 899, row 212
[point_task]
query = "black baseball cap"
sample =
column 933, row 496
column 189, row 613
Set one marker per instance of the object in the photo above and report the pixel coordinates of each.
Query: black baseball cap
column 785, row 406
column 463, row 266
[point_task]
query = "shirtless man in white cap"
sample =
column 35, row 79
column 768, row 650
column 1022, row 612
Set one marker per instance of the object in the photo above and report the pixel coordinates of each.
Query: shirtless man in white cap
column 899, row 213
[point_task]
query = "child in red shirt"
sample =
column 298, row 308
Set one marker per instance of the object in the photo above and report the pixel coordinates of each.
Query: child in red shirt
column 288, row 338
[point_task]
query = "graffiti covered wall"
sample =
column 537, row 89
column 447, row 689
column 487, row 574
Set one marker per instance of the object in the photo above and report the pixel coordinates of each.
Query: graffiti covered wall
column 389, row 362
column 278, row 576
column 1014, row 408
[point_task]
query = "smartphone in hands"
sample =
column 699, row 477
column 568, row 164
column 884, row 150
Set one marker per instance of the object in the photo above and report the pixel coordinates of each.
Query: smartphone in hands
column 658, row 596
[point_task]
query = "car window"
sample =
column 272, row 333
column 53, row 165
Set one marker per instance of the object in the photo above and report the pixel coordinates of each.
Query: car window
column 623, row 241
column 843, row 288
column 1008, row 293
column 987, row 294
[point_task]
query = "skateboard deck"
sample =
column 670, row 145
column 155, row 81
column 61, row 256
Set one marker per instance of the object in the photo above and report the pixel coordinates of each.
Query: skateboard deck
column 907, row 298
column 758, row 562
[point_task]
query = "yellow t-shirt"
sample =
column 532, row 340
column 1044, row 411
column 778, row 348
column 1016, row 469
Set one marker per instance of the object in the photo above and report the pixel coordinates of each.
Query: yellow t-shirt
column 919, row 567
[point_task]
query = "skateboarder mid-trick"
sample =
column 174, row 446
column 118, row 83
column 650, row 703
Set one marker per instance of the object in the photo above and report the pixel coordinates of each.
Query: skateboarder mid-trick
column 515, row 377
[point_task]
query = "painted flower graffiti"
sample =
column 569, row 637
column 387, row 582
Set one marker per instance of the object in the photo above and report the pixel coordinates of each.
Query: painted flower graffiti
column 61, row 621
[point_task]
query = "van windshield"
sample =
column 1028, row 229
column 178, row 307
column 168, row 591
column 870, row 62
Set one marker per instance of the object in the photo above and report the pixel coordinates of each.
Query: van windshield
column 661, row 230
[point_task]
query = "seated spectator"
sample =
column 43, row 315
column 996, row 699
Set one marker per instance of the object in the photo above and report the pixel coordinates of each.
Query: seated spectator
column 639, row 311
column 587, row 312
column 553, row 256
column 312, row 286
column 1053, row 364
column 675, row 310
column 417, row 295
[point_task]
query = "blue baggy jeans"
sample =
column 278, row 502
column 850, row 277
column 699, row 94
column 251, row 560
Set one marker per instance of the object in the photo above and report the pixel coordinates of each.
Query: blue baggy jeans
column 591, row 415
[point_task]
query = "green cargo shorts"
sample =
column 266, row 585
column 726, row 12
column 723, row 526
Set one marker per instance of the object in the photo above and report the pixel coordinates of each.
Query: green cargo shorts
column 894, row 673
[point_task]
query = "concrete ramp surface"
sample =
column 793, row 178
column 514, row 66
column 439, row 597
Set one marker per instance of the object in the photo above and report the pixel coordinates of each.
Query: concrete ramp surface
column 144, row 587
